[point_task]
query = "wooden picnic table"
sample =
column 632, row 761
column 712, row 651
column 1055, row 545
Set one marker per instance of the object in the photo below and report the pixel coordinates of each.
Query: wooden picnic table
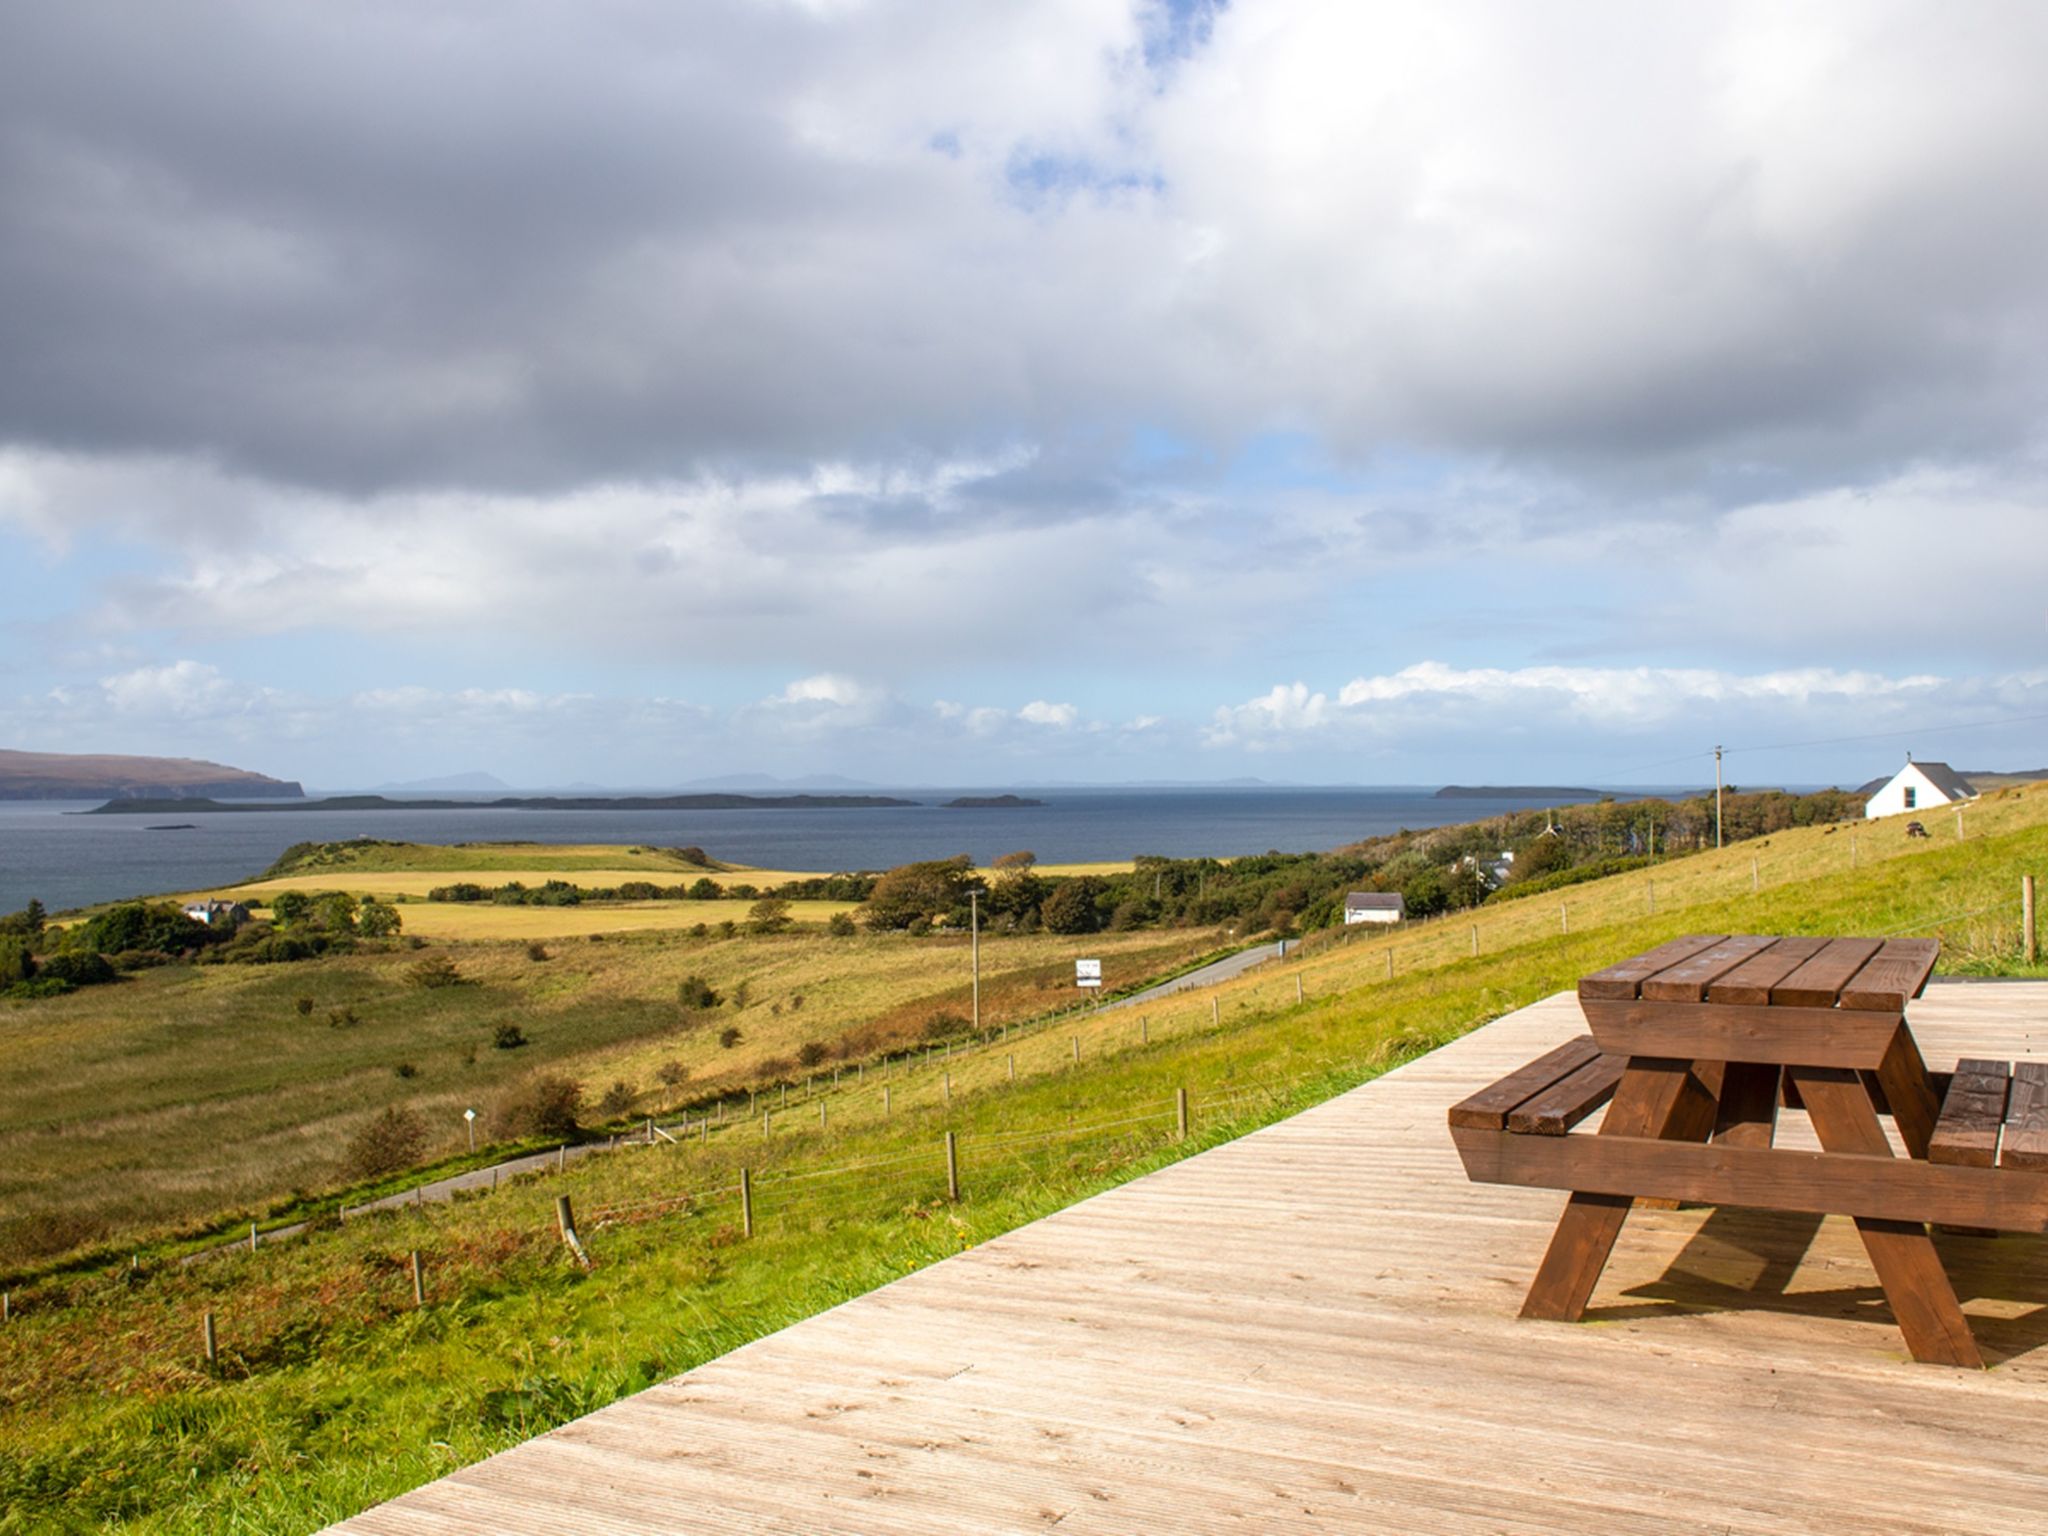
column 1698, row 1043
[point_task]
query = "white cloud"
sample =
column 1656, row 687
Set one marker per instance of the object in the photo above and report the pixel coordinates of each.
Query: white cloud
column 1058, row 716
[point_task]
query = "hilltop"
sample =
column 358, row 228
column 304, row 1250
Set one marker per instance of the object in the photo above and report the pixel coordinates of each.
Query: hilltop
column 92, row 776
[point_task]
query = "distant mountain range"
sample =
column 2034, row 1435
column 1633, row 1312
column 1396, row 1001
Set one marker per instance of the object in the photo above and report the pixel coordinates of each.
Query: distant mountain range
column 103, row 776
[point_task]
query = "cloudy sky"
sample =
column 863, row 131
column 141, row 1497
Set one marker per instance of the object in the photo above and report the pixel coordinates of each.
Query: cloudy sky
column 630, row 391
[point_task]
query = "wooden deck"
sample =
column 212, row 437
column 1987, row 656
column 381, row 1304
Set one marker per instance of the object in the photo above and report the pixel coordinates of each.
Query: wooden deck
column 1313, row 1329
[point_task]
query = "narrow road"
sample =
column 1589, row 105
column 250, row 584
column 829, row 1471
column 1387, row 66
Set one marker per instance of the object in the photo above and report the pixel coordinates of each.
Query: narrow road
column 1209, row 975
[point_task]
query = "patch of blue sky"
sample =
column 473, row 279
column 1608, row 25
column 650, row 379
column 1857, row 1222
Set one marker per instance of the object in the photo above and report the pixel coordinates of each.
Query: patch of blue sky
column 1175, row 29
column 1043, row 179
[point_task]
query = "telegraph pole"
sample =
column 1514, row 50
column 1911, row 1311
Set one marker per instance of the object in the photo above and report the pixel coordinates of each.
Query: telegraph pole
column 974, row 929
column 1717, row 797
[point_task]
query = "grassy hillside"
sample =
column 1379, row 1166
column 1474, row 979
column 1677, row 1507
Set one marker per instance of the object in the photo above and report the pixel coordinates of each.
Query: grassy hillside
column 333, row 1392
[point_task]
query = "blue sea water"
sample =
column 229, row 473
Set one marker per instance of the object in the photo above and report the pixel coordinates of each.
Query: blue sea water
column 67, row 860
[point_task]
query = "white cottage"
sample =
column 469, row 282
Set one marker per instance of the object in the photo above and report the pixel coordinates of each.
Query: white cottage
column 1917, row 787
column 1374, row 907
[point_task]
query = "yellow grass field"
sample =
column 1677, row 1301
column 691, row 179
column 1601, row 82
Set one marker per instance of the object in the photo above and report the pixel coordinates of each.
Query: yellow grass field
column 486, row 920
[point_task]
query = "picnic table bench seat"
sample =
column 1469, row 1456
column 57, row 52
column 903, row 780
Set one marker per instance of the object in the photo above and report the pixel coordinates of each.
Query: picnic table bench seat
column 1694, row 1048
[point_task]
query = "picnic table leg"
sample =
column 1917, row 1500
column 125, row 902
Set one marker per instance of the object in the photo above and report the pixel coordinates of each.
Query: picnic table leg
column 1917, row 1287
column 1903, row 1077
column 1749, row 1104
column 1661, row 1098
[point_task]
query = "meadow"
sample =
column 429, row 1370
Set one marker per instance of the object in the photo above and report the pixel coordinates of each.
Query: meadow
column 334, row 1391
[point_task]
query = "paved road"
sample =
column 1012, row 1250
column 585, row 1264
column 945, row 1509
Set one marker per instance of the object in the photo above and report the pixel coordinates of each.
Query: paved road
column 1209, row 975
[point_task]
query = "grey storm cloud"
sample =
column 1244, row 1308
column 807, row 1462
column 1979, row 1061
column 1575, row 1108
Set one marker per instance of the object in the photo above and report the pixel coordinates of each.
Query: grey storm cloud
column 522, row 247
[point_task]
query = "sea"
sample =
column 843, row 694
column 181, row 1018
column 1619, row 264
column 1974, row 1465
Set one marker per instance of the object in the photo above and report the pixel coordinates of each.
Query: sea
column 52, row 852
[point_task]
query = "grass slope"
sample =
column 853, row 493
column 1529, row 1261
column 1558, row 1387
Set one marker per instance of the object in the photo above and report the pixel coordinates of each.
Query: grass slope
column 334, row 1393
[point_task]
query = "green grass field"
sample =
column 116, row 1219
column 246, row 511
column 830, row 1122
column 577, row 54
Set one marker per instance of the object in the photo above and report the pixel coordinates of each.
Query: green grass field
column 333, row 1392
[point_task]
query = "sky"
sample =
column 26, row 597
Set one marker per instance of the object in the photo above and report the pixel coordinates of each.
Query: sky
column 997, row 392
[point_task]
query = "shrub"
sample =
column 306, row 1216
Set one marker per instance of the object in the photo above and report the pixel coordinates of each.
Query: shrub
column 305, row 1007
column 16, row 963
column 145, row 925
column 776, row 1069
column 727, row 928
column 673, row 1074
column 1070, row 906
column 768, row 915
column 730, row 1036
column 811, row 1053
column 695, row 992
column 944, row 1024
column 546, row 1107
column 536, row 950
column 617, row 1100
column 406, row 1069
column 508, row 1037
column 77, row 968
column 435, row 971
column 796, row 1002
column 342, row 1018
column 392, row 1140
column 841, row 925
column 378, row 920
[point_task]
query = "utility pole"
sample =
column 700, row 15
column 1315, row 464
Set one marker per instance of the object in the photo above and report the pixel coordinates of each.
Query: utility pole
column 1717, row 797
column 974, row 928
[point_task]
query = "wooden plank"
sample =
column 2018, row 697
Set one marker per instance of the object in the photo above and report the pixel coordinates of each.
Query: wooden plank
column 1568, row 1101
column 1751, row 981
column 1651, row 1095
column 1910, row 1091
column 2025, row 1142
column 1894, row 976
column 1778, row 1179
column 1967, row 1132
column 1749, row 1104
column 1687, row 981
column 1621, row 979
column 1488, row 1109
column 1737, row 1032
column 1819, row 982
column 1922, row 1300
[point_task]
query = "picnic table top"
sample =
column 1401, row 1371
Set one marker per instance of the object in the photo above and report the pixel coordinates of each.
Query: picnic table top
column 1767, row 970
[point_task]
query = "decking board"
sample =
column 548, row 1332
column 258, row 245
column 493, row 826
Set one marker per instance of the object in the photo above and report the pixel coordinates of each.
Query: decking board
column 1313, row 1329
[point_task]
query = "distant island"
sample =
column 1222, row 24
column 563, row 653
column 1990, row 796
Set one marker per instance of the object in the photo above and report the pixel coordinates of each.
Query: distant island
column 92, row 776
column 1519, row 792
column 138, row 807
column 989, row 803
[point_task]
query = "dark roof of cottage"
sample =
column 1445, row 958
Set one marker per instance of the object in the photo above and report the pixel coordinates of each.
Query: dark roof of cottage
column 1947, row 780
column 1374, row 901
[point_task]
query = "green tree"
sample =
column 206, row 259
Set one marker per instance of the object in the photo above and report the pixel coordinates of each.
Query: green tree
column 289, row 909
column 768, row 915
column 16, row 963
column 934, row 888
column 378, row 920
column 1070, row 906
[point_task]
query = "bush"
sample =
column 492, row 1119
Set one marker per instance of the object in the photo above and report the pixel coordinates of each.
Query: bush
column 391, row 1141
column 145, row 925
column 342, row 1018
column 730, row 1036
column 943, row 1025
column 1070, row 906
column 305, row 1007
column 16, row 963
column 435, row 971
column 841, row 925
column 378, row 920
column 811, row 1053
column 547, row 1107
column 508, row 1037
column 77, row 968
column 695, row 992
column 536, row 950
column 768, row 915
column 673, row 1074
column 617, row 1100
column 406, row 1069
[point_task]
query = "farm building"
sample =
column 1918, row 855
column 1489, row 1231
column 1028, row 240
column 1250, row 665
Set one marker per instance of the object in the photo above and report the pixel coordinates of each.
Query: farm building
column 1374, row 907
column 1916, row 787
column 218, row 914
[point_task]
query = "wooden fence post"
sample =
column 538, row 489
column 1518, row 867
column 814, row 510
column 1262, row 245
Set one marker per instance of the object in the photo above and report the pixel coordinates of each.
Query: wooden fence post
column 252, row 1237
column 1013, row 1066
column 1475, row 938
column 1564, row 918
column 1180, row 1114
column 1297, row 986
column 1215, row 1009
column 6, row 1306
column 419, row 1284
column 949, row 1087
column 952, row 1167
column 746, row 1203
column 767, row 1128
column 562, row 1157
column 2027, row 917
column 821, row 1114
column 1390, row 962
column 1144, row 1031
column 885, row 1098
column 211, row 1340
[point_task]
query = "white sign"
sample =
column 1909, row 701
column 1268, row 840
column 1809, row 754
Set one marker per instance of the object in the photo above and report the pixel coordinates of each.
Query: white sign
column 469, row 1114
column 1087, row 973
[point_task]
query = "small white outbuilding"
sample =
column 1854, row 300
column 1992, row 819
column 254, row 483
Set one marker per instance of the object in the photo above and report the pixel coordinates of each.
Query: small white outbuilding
column 1374, row 907
column 1917, row 787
